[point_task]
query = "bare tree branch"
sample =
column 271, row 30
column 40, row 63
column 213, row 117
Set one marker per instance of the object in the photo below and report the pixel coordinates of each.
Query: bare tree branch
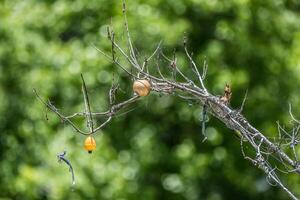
column 264, row 148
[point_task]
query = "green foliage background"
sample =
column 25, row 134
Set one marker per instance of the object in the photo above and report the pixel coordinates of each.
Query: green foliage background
column 154, row 152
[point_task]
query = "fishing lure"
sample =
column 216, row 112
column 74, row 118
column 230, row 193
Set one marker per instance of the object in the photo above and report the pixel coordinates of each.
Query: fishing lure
column 61, row 157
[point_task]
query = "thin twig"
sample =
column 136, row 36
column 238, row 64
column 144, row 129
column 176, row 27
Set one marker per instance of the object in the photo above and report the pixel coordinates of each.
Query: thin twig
column 243, row 103
column 195, row 67
column 62, row 117
column 291, row 114
column 131, row 50
column 87, row 106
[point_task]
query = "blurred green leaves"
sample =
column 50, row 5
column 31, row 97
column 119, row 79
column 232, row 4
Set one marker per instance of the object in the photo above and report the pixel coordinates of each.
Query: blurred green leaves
column 154, row 152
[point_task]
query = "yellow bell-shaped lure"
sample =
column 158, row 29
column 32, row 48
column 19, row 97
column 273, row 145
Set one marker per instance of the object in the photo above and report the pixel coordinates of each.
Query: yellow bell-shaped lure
column 90, row 144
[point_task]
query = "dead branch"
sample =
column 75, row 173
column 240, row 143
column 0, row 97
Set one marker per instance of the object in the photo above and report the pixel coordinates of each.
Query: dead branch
column 219, row 107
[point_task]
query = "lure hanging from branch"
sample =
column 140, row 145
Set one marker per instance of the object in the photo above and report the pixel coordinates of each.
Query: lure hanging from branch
column 90, row 144
column 61, row 157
